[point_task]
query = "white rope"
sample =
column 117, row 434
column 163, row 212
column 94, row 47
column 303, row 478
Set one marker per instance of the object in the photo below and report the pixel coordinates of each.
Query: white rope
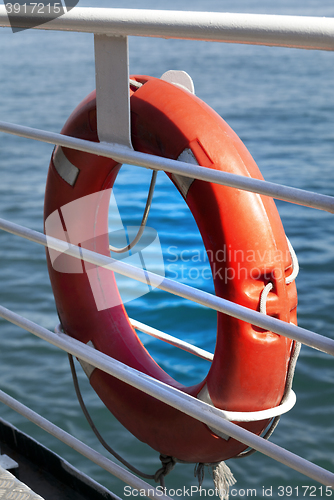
column 136, row 84
column 295, row 264
column 223, row 478
column 264, row 296
column 250, row 416
column 289, row 279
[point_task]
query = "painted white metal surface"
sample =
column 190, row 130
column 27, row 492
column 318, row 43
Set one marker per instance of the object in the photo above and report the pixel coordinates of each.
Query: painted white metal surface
column 125, row 155
column 288, row 330
column 112, row 89
column 257, row 29
column 193, row 407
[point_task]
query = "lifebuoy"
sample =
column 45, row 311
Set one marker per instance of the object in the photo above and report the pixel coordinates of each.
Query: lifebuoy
column 250, row 365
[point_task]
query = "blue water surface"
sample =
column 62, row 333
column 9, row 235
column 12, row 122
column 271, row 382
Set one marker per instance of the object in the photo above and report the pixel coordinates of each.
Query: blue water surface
column 280, row 103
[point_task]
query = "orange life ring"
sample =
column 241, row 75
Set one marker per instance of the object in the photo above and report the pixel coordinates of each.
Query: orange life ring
column 250, row 365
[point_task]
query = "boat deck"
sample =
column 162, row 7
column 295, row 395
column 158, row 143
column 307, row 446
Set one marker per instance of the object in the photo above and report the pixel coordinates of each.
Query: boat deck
column 11, row 487
column 42, row 471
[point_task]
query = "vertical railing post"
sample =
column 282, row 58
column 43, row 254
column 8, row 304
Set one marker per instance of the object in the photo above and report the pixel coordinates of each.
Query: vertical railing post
column 112, row 89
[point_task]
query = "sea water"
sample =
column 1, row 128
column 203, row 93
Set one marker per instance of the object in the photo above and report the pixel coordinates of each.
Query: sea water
column 280, row 102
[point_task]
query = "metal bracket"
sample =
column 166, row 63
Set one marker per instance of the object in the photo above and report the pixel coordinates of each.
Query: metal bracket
column 112, row 89
column 180, row 79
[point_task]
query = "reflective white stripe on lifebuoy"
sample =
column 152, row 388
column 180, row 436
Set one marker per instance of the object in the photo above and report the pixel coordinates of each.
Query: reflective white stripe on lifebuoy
column 182, row 182
column 67, row 171
column 87, row 368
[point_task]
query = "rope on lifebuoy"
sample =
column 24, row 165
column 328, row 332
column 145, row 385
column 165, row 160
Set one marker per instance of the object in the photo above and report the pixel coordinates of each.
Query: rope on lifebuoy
column 144, row 219
column 289, row 279
column 168, row 463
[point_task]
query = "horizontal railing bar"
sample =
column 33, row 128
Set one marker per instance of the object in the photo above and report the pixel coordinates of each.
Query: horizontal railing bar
column 82, row 448
column 302, row 32
column 165, row 337
column 125, row 155
column 268, row 323
column 189, row 405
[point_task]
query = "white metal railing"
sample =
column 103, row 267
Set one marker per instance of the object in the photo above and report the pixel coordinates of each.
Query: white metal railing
column 126, row 155
column 288, row 330
column 193, row 407
column 291, row 31
column 257, row 29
